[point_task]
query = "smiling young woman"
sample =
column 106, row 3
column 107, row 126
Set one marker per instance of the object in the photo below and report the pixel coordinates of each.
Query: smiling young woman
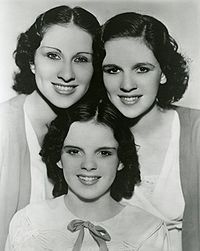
column 98, row 166
column 144, row 73
column 53, row 74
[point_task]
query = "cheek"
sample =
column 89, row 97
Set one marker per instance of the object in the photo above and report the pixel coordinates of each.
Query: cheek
column 110, row 167
column 84, row 73
column 111, row 83
column 44, row 71
column 149, row 85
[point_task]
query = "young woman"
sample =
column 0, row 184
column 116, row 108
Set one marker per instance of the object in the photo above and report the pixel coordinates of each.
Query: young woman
column 99, row 166
column 144, row 74
column 56, row 63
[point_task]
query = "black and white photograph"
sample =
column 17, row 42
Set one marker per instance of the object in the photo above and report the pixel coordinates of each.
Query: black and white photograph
column 100, row 125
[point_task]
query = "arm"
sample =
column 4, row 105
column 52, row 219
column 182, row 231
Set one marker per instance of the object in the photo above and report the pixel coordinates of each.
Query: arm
column 14, row 175
column 6, row 208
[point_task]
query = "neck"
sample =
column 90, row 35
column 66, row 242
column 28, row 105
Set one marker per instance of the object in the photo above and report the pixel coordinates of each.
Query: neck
column 38, row 110
column 149, row 123
column 99, row 210
column 39, row 113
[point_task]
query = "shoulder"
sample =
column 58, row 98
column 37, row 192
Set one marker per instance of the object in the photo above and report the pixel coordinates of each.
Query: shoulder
column 28, row 223
column 12, row 120
column 140, row 223
column 12, row 109
column 44, row 213
column 189, row 121
column 13, row 103
column 186, row 113
column 142, row 217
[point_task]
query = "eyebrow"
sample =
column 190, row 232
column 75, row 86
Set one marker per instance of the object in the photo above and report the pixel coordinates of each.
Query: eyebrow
column 144, row 63
column 84, row 52
column 71, row 146
column 100, row 148
column 110, row 65
column 106, row 148
column 135, row 66
column 54, row 48
column 50, row 47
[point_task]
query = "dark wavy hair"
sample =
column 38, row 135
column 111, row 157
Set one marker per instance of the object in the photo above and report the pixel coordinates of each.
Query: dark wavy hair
column 101, row 112
column 29, row 41
column 157, row 38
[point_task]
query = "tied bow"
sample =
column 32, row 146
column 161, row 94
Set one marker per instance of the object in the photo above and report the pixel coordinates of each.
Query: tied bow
column 99, row 234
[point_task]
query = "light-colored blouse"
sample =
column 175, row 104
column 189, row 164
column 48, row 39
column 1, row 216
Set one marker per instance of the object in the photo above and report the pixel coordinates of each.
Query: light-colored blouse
column 41, row 187
column 43, row 226
column 161, row 194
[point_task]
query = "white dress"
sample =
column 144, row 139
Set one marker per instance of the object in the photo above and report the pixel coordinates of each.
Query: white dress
column 43, row 226
column 41, row 187
column 162, row 195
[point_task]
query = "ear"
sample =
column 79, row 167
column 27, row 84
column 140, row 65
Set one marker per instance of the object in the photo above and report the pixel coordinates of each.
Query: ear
column 32, row 67
column 163, row 79
column 120, row 166
column 59, row 164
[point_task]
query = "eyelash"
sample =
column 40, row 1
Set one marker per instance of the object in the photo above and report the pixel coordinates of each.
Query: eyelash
column 115, row 70
column 72, row 152
column 81, row 60
column 53, row 56
column 105, row 153
column 143, row 69
column 111, row 70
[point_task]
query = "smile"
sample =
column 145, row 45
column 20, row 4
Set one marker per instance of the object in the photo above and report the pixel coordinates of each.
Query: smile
column 129, row 100
column 64, row 89
column 88, row 180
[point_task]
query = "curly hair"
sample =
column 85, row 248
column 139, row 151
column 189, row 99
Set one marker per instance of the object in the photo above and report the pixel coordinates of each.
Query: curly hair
column 29, row 41
column 157, row 38
column 101, row 112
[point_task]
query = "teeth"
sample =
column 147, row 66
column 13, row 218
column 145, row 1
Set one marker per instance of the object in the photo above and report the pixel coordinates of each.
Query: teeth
column 86, row 178
column 131, row 99
column 64, row 88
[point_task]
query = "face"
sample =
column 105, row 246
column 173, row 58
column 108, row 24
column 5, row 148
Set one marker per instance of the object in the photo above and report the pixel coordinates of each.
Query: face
column 63, row 64
column 89, row 160
column 131, row 75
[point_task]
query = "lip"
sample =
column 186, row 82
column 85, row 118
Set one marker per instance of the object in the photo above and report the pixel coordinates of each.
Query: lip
column 88, row 179
column 129, row 99
column 64, row 89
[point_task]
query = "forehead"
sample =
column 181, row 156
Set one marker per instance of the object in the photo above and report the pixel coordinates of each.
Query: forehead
column 66, row 35
column 90, row 133
column 125, row 49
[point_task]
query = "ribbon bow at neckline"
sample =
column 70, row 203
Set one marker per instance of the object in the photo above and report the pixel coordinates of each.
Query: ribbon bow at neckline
column 99, row 234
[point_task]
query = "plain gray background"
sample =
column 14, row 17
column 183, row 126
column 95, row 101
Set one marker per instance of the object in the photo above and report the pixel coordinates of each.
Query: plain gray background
column 182, row 17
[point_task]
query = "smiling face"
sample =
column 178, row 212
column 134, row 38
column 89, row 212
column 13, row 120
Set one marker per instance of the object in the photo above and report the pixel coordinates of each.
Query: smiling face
column 89, row 159
column 63, row 64
column 131, row 75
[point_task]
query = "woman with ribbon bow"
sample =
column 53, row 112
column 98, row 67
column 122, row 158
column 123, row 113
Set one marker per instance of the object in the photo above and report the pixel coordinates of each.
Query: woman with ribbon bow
column 53, row 74
column 92, row 160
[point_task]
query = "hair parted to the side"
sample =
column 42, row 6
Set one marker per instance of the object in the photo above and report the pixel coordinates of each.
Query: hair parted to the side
column 157, row 38
column 101, row 112
column 29, row 41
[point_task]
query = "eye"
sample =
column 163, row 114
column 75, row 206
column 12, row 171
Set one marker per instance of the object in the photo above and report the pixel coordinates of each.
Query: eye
column 143, row 69
column 81, row 59
column 72, row 152
column 53, row 56
column 111, row 69
column 105, row 153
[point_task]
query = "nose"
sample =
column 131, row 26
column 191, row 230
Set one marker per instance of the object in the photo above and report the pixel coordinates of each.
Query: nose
column 88, row 164
column 128, row 83
column 66, row 72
